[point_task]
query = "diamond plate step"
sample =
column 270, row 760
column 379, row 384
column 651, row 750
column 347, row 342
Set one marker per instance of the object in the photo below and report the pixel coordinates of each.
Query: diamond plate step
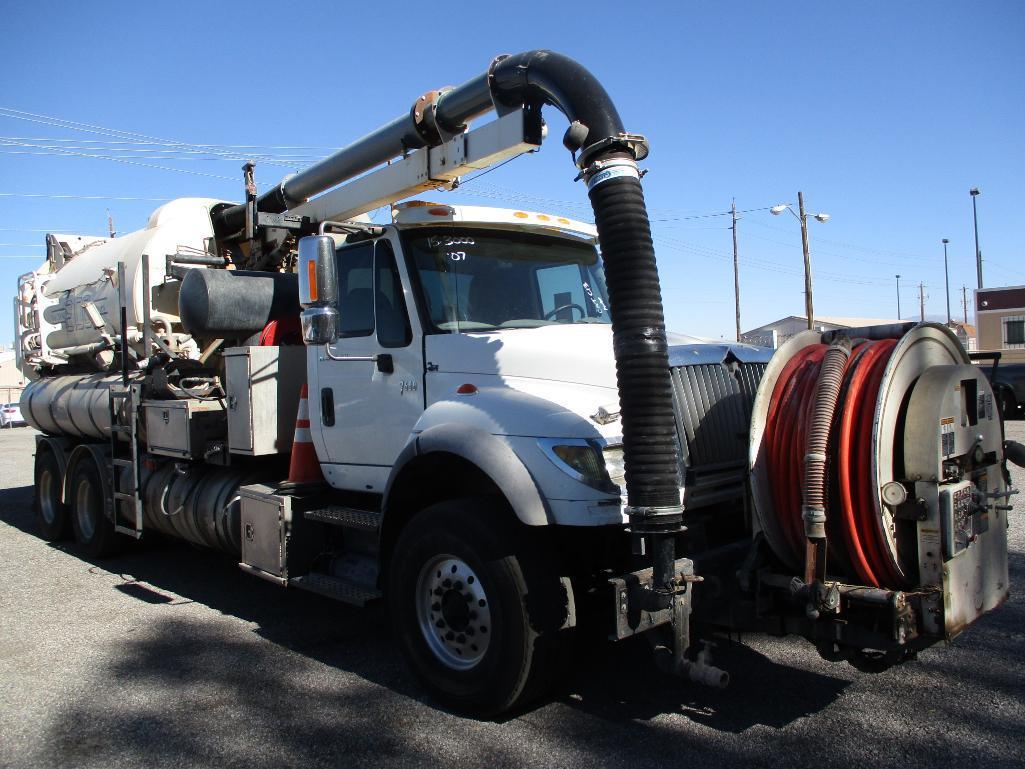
column 349, row 517
column 340, row 589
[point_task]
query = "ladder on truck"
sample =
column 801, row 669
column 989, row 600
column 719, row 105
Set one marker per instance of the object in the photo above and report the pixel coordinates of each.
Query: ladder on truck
column 125, row 397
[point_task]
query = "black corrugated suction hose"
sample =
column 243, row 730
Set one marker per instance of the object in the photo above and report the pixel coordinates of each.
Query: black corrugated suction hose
column 639, row 340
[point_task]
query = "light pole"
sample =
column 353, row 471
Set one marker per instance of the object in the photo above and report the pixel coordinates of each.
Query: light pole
column 974, row 192
column 946, row 277
column 898, row 297
column 802, row 217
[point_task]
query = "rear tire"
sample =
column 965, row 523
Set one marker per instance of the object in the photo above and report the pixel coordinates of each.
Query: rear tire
column 51, row 512
column 481, row 615
column 94, row 532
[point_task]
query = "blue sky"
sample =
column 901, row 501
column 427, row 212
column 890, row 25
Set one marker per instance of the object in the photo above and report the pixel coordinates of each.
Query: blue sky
column 883, row 113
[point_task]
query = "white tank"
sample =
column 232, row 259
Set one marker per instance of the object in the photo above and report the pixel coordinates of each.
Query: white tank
column 71, row 301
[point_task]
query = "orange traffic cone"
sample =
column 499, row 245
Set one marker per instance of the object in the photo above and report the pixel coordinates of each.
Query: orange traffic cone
column 304, row 466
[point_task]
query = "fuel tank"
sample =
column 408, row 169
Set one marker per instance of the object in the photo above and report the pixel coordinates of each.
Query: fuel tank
column 75, row 406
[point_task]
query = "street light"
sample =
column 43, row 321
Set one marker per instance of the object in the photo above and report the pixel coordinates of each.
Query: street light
column 946, row 277
column 802, row 217
column 898, row 297
column 974, row 192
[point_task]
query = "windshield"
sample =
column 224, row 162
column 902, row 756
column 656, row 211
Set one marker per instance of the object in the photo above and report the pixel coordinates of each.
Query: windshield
column 481, row 280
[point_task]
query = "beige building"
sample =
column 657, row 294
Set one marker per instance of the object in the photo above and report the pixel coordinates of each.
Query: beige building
column 12, row 381
column 1000, row 320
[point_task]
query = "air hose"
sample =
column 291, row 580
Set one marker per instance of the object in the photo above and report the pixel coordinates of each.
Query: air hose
column 844, row 477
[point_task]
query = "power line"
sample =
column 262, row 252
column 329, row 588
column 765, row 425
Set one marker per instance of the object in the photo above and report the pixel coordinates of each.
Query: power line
column 29, row 229
column 73, row 125
column 44, row 152
column 77, row 197
column 70, row 153
column 171, row 144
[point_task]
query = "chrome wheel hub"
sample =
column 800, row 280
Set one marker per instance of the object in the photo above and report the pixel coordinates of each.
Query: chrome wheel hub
column 453, row 611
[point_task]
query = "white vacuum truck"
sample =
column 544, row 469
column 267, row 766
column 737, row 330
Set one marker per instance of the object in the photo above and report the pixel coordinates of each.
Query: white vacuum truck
column 505, row 448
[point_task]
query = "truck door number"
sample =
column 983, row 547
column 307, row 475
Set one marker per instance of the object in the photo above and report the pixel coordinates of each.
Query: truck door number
column 407, row 385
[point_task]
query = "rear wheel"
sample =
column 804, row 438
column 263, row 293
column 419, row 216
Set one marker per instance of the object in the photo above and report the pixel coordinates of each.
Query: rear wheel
column 51, row 512
column 481, row 615
column 94, row 531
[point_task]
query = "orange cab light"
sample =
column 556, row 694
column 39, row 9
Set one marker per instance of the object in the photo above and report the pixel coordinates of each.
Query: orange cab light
column 466, row 389
column 311, row 273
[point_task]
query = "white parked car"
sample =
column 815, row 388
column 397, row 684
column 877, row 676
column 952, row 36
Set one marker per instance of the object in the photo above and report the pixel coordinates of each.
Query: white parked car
column 10, row 415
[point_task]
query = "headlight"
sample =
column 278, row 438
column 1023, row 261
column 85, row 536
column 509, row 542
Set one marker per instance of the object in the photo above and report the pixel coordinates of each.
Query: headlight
column 582, row 461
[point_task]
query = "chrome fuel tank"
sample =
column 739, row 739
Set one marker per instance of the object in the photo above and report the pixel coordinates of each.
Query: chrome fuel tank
column 75, row 406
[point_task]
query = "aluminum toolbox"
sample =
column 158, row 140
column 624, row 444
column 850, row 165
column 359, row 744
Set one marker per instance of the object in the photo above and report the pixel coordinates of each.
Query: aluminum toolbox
column 272, row 533
column 263, row 386
column 183, row 428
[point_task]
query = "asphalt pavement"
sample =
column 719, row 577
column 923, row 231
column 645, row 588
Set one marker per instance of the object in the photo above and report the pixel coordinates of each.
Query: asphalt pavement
column 171, row 656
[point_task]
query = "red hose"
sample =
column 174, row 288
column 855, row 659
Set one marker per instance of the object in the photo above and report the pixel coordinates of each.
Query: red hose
column 854, row 515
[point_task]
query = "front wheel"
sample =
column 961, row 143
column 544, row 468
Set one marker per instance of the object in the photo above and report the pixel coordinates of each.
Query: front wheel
column 1008, row 405
column 480, row 613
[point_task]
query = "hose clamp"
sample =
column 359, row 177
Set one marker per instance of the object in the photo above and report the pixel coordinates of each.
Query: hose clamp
column 636, row 144
column 656, row 520
column 814, row 521
column 606, row 170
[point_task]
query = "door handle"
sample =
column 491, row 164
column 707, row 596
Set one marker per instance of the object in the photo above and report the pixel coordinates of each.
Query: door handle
column 327, row 406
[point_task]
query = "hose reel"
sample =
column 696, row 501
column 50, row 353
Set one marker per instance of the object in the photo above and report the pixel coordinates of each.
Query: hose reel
column 913, row 463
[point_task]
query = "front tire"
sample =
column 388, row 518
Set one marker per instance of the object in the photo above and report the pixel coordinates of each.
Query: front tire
column 94, row 531
column 1008, row 405
column 480, row 613
column 51, row 512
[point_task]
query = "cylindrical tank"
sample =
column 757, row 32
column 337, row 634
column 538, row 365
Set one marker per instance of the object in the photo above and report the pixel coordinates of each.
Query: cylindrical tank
column 75, row 406
column 79, row 304
column 197, row 503
column 234, row 303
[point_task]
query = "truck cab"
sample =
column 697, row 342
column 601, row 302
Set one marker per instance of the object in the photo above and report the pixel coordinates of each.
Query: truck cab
column 494, row 320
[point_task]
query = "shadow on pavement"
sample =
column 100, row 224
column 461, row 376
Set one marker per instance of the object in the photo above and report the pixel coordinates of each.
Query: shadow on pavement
column 330, row 689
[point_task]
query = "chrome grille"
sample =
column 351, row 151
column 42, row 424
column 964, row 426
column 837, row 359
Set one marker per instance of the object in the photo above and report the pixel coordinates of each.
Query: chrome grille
column 713, row 403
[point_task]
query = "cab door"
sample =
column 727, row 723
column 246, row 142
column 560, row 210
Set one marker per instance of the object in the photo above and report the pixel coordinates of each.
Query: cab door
column 363, row 410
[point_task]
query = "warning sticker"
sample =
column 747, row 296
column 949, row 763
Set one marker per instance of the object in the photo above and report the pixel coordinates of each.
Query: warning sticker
column 947, row 436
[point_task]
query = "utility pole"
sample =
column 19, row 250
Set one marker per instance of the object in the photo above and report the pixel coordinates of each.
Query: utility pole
column 736, row 265
column 974, row 192
column 110, row 224
column 946, row 277
column 921, row 300
column 898, row 297
column 808, row 309
column 964, row 302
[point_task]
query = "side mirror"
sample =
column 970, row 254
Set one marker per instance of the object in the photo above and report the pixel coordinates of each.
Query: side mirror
column 318, row 289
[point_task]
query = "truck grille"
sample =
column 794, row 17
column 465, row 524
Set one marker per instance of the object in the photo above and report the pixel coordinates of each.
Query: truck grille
column 713, row 403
